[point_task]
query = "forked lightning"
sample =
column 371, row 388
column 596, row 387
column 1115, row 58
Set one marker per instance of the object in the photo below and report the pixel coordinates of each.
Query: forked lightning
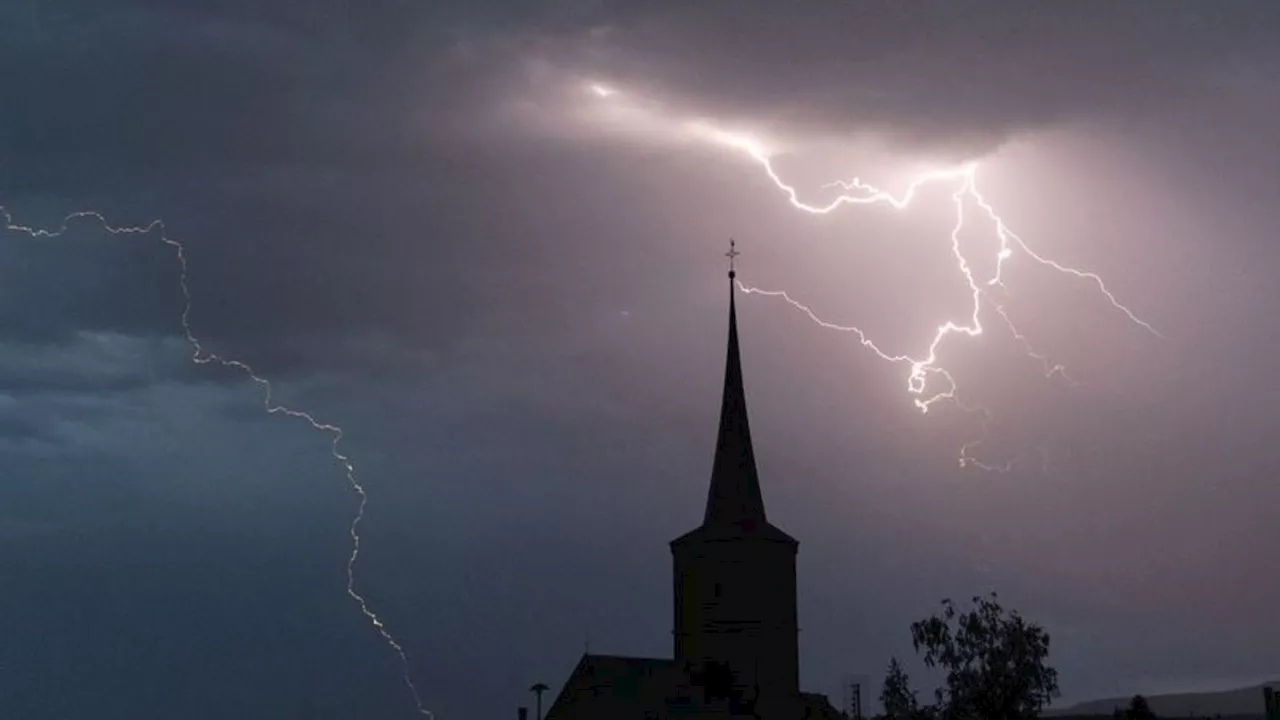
column 964, row 179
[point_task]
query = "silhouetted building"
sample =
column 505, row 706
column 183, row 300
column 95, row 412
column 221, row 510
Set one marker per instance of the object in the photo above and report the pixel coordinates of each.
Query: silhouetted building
column 1271, row 700
column 736, row 635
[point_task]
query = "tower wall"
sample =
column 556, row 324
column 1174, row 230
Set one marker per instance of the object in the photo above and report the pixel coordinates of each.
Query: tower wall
column 735, row 605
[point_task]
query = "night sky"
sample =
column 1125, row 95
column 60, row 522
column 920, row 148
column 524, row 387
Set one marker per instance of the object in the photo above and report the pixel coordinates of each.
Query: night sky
column 417, row 221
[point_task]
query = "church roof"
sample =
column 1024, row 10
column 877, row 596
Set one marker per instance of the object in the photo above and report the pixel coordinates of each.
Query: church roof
column 735, row 506
column 617, row 688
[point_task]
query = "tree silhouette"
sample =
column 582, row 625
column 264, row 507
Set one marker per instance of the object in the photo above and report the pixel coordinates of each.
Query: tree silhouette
column 897, row 697
column 995, row 661
column 1139, row 709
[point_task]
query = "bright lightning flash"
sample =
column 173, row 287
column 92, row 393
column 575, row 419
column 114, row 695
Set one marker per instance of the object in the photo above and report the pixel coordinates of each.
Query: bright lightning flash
column 964, row 180
column 600, row 90
column 200, row 356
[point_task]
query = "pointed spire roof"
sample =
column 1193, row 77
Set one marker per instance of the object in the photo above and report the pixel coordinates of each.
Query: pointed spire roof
column 734, row 497
column 735, row 507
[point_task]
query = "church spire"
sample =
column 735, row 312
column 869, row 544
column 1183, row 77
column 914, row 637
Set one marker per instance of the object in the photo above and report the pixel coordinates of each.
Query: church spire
column 734, row 497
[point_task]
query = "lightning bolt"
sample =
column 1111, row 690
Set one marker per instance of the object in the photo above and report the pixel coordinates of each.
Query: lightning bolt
column 926, row 367
column 201, row 356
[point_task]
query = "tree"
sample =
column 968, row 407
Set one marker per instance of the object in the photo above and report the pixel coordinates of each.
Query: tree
column 1139, row 709
column 995, row 661
column 897, row 697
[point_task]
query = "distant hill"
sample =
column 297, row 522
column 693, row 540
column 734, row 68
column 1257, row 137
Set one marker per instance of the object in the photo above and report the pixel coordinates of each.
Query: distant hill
column 1243, row 702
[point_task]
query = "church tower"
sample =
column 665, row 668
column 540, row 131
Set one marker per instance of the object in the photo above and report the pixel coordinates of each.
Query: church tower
column 736, row 632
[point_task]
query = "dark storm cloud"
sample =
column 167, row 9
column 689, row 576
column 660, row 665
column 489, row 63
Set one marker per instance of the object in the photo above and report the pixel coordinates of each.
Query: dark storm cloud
column 87, row 280
column 273, row 142
column 93, row 363
column 297, row 82
column 318, row 141
column 19, row 428
column 148, row 88
column 957, row 76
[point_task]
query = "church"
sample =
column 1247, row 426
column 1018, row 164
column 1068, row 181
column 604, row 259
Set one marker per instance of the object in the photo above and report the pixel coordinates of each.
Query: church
column 736, row 631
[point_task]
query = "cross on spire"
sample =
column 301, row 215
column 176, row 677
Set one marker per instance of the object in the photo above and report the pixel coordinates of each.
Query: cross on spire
column 733, row 253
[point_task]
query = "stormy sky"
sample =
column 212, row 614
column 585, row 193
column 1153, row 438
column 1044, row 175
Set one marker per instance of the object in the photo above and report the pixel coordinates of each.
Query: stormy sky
column 412, row 217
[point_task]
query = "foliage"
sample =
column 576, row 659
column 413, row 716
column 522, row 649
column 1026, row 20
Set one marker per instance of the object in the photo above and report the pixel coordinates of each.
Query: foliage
column 1139, row 709
column 897, row 697
column 995, row 662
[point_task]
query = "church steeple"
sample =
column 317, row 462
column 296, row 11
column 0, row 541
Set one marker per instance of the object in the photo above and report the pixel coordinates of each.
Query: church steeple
column 734, row 497
column 735, row 574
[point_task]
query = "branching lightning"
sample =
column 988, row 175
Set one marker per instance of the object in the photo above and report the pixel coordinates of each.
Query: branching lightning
column 963, row 178
column 201, row 356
